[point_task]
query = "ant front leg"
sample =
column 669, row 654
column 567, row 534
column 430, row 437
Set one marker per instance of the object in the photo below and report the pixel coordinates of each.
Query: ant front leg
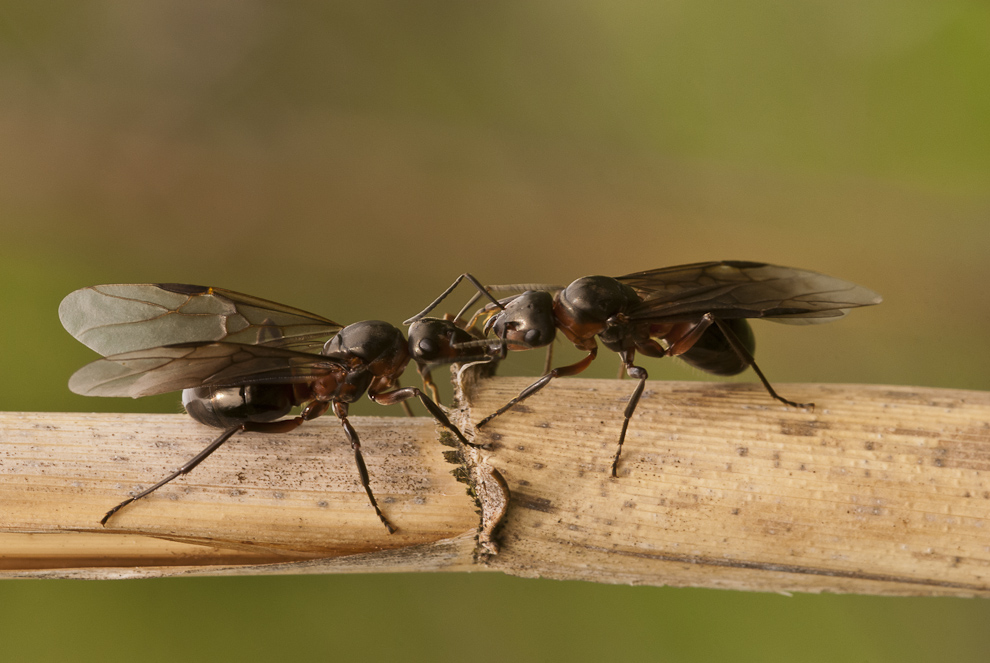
column 548, row 361
column 426, row 376
column 340, row 409
column 640, row 374
column 572, row 369
column 400, row 395
column 311, row 411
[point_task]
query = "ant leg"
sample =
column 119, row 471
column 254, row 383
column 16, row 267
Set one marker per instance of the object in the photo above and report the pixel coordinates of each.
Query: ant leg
column 692, row 333
column 426, row 376
column 405, row 405
column 479, row 350
column 311, row 411
column 399, row 395
column 748, row 358
column 572, row 369
column 486, row 312
column 488, row 356
column 634, row 372
column 340, row 409
column 185, row 469
column 436, row 302
column 467, row 307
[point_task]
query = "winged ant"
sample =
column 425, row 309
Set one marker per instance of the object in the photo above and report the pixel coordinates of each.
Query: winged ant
column 244, row 363
column 698, row 312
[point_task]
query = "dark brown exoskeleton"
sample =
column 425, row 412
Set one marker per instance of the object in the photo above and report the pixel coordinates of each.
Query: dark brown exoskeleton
column 696, row 312
column 435, row 342
column 241, row 362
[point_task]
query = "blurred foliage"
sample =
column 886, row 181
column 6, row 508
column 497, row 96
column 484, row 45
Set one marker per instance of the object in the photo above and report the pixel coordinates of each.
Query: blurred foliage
column 352, row 159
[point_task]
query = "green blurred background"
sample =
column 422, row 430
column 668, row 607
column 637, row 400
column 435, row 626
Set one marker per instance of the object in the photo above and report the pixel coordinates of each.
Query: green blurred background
column 353, row 159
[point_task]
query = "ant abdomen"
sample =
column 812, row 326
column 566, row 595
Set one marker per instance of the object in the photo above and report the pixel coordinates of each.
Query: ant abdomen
column 225, row 407
column 714, row 354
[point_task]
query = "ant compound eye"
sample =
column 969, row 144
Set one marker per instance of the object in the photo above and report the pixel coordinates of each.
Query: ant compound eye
column 427, row 346
column 532, row 337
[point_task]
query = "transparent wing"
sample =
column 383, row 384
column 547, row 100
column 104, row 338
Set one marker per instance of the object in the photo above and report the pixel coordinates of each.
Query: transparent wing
column 161, row 370
column 736, row 289
column 112, row 319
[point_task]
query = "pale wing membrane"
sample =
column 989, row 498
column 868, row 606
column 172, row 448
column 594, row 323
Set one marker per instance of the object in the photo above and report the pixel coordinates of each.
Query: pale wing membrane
column 735, row 289
column 112, row 319
column 162, row 370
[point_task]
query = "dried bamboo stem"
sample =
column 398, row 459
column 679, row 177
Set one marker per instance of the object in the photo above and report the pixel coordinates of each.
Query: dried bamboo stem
column 879, row 490
column 260, row 499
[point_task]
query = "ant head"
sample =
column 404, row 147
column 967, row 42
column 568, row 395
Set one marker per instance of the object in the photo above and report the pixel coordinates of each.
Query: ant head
column 432, row 340
column 527, row 321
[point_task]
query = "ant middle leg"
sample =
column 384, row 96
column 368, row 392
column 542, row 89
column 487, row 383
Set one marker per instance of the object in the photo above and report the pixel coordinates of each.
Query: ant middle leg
column 340, row 409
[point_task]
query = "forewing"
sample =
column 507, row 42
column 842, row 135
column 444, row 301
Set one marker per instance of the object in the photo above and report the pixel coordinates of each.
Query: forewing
column 735, row 289
column 161, row 370
column 112, row 319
